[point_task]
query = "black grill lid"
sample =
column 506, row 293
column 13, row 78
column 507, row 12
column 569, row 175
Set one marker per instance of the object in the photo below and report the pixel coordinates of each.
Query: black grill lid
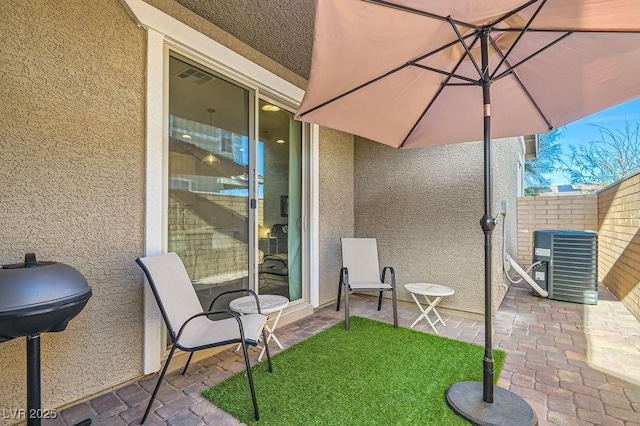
column 33, row 286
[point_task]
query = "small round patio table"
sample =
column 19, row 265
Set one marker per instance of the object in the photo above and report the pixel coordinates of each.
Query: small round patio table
column 269, row 303
column 429, row 290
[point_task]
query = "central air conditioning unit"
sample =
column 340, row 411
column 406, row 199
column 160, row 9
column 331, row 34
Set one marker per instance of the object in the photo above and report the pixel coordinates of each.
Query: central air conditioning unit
column 569, row 268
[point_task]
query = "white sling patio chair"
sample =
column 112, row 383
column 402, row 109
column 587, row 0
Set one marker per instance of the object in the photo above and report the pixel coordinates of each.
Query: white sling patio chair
column 361, row 272
column 188, row 324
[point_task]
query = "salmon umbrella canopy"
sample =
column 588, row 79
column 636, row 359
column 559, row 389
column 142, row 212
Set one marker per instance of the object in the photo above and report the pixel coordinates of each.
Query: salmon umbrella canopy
column 415, row 73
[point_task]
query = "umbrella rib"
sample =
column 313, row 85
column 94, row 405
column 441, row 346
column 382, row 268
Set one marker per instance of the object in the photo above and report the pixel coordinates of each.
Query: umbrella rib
column 522, row 86
column 571, row 30
column 461, row 40
column 447, row 73
column 512, row 68
column 420, row 12
column 437, row 94
column 466, row 48
column 441, row 48
column 526, row 27
column 350, row 91
column 365, row 84
column 513, row 12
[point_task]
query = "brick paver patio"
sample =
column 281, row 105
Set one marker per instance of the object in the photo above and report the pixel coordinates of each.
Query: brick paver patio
column 575, row 364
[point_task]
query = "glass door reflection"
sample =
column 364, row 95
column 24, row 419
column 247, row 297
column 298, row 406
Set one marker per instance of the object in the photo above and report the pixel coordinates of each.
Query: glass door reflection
column 279, row 194
column 208, row 212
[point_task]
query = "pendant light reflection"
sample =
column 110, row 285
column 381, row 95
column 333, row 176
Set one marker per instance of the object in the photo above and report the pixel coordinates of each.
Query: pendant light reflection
column 210, row 158
column 270, row 108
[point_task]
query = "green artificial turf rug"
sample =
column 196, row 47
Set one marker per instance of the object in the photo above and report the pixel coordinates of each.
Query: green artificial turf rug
column 372, row 374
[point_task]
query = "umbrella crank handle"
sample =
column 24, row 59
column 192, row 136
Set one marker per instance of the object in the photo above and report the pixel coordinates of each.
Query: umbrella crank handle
column 487, row 223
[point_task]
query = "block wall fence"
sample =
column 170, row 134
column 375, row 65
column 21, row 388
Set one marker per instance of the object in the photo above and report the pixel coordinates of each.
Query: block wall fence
column 575, row 212
column 613, row 212
column 619, row 238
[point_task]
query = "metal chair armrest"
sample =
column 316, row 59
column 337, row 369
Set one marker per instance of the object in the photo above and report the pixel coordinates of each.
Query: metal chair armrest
column 392, row 273
column 207, row 313
column 242, row 290
column 344, row 275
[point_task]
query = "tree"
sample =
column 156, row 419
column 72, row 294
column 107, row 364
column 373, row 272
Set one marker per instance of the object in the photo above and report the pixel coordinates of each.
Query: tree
column 615, row 156
column 549, row 157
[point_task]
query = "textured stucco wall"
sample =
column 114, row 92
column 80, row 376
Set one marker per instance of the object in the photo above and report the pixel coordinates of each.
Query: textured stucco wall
column 505, row 187
column 71, row 173
column 424, row 206
column 336, row 206
column 200, row 24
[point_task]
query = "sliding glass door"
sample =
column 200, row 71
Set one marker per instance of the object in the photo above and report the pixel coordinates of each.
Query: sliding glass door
column 235, row 193
column 280, row 194
column 208, row 212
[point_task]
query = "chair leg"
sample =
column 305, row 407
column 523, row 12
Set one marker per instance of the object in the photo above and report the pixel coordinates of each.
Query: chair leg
column 346, row 308
column 250, row 377
column 395, row 307
column 155, row 391
column 339, row 293
column 184, row 370
column 380, row 301
column 266, row 348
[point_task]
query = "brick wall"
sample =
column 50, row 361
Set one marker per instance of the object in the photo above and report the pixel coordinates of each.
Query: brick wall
column 208, row 253
column 619, row 234
column 575, row 212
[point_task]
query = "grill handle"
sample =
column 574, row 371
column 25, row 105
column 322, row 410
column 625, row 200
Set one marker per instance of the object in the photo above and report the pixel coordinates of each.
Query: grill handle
column 30, row 260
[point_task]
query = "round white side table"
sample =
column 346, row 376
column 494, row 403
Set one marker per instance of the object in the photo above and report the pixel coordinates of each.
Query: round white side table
column 269, row 303
column 429, row 290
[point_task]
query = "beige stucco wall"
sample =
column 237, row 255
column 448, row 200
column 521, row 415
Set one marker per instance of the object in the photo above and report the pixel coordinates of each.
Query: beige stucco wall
column 506, row 153
column 72, row 189
column 424, row 207
column 336, row 206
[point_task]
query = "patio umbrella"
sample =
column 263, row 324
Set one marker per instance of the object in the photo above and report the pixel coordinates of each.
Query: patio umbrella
column 412, row 73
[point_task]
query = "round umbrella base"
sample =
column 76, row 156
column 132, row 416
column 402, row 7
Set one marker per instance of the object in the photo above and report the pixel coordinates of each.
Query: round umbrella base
column 507, row 409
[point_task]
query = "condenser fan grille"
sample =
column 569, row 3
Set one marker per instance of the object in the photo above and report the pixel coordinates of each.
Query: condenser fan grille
column 574, row 268
column 569, row 271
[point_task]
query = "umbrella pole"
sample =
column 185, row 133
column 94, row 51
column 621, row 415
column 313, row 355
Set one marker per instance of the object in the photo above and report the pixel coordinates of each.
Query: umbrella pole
column 487, row 223
column 475, row 400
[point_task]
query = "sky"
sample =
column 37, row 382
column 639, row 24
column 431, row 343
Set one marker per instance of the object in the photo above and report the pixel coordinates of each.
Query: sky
column 581, row 132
